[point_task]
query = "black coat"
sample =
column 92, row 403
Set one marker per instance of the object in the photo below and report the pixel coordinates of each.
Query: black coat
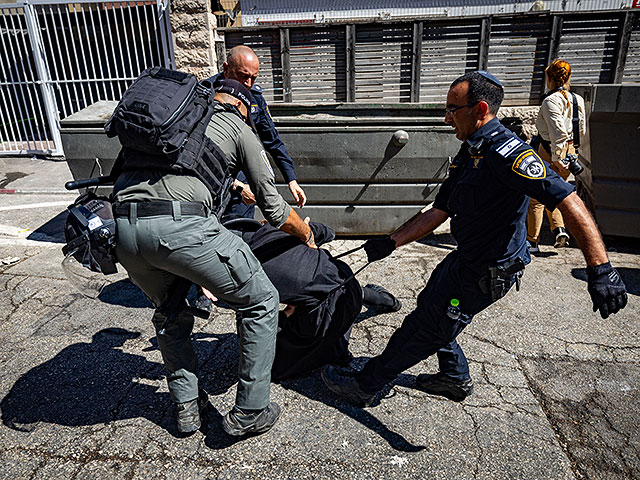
column 311, row 280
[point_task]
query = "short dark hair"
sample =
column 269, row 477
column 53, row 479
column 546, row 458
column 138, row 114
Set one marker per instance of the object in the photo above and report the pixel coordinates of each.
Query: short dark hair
column 483, row 88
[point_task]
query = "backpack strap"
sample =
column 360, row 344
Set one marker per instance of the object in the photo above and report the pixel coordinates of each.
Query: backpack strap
column 576, row 122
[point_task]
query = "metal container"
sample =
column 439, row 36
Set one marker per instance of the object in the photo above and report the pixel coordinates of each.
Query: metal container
column 366, row 169
column 88, row 150
column 610, row 184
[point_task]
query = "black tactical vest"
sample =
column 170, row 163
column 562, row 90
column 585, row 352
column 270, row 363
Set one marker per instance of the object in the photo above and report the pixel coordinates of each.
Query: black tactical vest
column 161, row 122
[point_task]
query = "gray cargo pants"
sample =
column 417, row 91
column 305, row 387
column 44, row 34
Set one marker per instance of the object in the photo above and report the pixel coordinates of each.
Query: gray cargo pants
column 155, row 249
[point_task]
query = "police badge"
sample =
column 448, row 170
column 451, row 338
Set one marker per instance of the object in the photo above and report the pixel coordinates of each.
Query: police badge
column 529, row 165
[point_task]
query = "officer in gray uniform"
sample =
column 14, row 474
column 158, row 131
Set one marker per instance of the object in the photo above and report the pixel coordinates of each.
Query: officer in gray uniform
column 165, row 231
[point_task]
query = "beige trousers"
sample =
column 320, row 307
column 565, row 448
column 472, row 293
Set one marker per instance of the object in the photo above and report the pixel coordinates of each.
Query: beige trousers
column 536, row 209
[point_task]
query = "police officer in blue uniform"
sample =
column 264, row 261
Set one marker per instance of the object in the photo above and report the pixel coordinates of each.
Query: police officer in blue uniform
column 243, row 65
column 486, row 195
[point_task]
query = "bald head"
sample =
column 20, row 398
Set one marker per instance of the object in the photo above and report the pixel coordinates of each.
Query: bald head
column 242, row 65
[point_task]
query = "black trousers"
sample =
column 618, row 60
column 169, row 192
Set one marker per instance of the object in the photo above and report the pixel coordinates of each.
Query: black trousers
column 428, row 329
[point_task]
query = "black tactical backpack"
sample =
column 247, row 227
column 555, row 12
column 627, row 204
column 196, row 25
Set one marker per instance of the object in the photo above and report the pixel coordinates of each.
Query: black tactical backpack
column 161, row 122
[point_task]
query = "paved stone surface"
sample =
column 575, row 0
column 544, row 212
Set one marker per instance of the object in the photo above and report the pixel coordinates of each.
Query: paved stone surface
column 83, row 394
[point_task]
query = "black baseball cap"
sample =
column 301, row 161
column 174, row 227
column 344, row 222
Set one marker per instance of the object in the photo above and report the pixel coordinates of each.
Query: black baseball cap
column 239, row 91
column 236, row 89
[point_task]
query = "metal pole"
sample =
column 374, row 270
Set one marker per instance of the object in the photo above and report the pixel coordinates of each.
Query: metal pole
column 285, row 59
column 416, row 65
column 351, row 62
column 164, row 12
column 623, row 46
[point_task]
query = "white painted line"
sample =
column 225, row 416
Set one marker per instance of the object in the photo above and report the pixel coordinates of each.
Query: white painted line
column 14, row 231
column 12, row 242
column 35, row 205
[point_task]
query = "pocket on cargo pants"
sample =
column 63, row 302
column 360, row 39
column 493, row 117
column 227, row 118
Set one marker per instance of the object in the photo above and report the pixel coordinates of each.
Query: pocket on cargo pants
column 241, row 265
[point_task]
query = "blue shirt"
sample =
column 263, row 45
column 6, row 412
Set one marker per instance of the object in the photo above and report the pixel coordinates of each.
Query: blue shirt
column 267, row 131
column 487, row 195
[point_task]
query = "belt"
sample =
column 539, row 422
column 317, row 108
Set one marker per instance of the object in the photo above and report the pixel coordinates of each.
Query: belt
column 152, row 209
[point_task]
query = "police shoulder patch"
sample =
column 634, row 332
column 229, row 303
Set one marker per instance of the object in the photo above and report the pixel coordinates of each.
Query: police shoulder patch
column 256, row 88
column 529, row 165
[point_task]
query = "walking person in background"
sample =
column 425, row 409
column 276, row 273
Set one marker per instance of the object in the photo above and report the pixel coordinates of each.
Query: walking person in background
column 555, row 142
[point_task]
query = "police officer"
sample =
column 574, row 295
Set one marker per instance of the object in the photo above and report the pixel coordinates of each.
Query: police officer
column 486, row 196
column 165, row 231
column 243, row 65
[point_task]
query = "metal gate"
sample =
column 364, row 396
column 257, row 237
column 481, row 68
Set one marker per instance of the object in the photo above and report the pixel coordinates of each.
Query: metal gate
column 58, row 57
column 415, row 61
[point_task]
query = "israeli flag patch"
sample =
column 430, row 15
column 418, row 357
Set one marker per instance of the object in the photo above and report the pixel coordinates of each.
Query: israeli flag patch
column 529, row 165
column 509, row 146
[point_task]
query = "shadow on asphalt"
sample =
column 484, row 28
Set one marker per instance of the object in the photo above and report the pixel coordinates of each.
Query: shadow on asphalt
column 97, row 383
column 52, row 231
column 312, row 387
column 441, row 240
column 630, row 277
column 126, row 294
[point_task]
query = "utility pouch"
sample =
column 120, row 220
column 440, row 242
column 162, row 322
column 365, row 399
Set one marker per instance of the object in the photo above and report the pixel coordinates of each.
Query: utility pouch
column 501, row 277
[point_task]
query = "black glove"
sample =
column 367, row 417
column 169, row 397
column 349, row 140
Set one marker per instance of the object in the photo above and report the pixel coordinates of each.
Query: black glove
column 606, row 288
column 379, row 248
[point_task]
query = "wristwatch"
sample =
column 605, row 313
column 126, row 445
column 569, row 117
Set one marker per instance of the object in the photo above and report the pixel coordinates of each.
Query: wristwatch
column 239, row 188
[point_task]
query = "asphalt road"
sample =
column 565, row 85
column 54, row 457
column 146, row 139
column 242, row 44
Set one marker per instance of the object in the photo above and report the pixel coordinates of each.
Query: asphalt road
column 83, row 395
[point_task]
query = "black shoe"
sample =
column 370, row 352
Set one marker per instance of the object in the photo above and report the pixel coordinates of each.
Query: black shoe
column 394, row 307
column 238, row 422
column 533, row 247
column 445, row 386
column 345, row 386
column 202, row 302
column 562, row 238
column 343, row 360
column 188, row 414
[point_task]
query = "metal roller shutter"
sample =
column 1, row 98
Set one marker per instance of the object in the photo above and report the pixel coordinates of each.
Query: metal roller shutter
column 632, row 67
column 588, row 43
column 517, row 56
column 448, row 51
column 318, row 64
column 383, row 63
column 266, row 44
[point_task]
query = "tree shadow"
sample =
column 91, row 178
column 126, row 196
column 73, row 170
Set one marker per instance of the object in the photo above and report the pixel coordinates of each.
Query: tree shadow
column 630, row 277
column 97, row 383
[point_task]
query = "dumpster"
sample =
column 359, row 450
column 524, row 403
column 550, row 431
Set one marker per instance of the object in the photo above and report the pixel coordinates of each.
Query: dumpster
column 610, row 185
column 366, row 169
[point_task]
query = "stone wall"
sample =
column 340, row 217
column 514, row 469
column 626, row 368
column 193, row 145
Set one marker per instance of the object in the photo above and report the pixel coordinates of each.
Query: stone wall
column 527, row 114
column 193, row 28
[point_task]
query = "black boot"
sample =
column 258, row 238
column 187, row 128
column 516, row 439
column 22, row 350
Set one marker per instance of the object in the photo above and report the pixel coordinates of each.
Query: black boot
column 445, row 386
column 239, row 422
column 189, row 414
